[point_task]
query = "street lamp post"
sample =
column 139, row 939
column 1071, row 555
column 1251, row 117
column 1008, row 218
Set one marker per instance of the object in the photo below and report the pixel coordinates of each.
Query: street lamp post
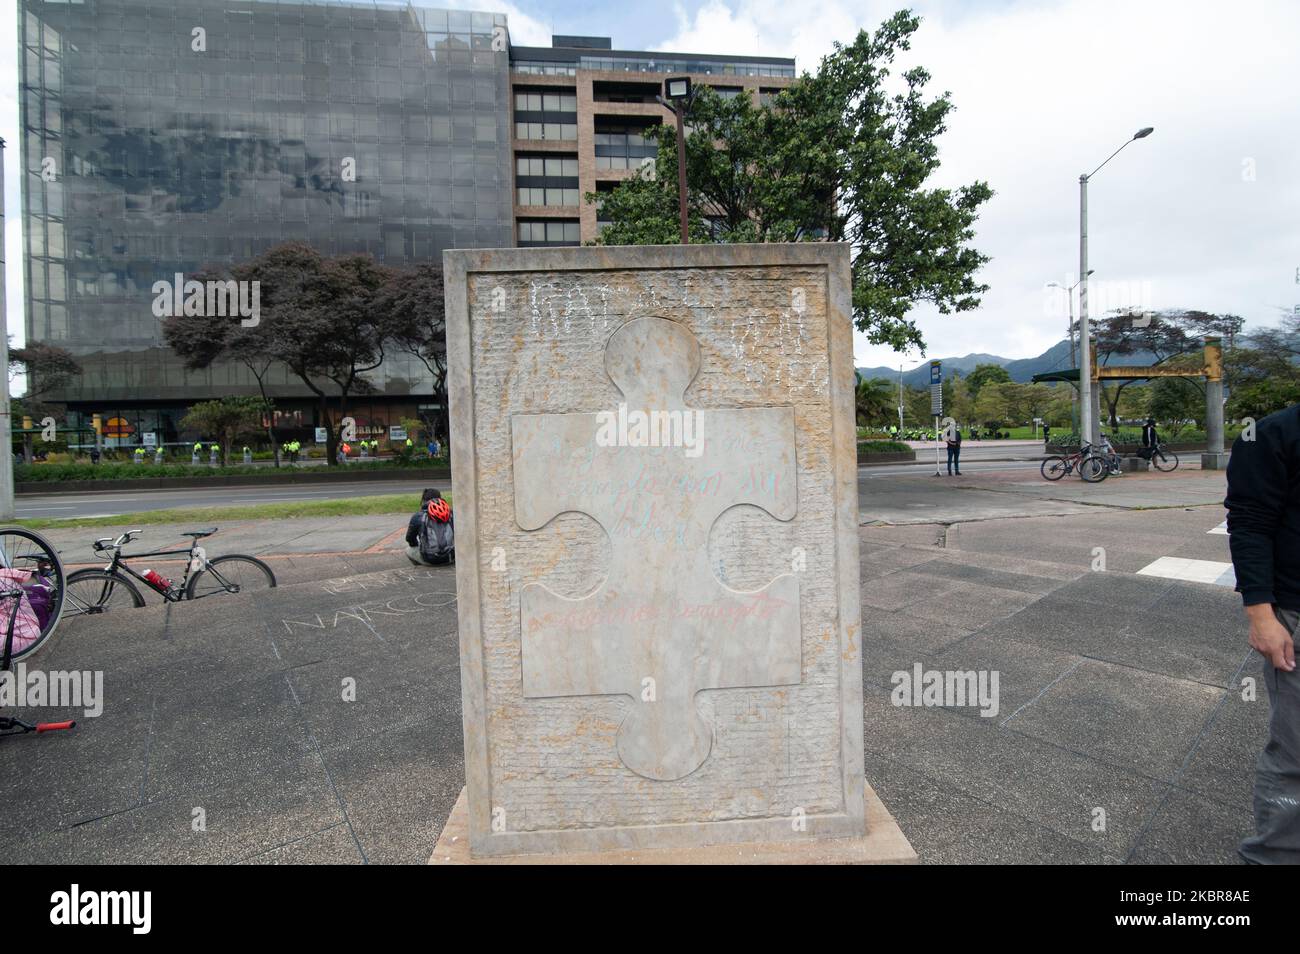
column 1069, row 333
column 1091, row 426
column 6, row 439
column 677, row 97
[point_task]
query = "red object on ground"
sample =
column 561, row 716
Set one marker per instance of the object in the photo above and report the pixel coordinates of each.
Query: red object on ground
column 54, row 726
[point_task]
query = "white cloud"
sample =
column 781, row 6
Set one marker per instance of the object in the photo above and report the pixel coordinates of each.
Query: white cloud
column 1044, row 92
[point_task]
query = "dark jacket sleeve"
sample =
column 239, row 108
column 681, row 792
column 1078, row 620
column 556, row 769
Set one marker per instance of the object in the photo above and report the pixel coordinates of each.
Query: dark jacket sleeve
column 413, row 531
column 1257, row 488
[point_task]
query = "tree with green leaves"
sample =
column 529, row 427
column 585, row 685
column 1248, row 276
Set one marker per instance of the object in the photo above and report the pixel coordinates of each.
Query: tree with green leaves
column 1173, row 402
column 229, row 419
column 839, row 156
column 200, row 341
column 1263, row 374
column 991, row 407
column 46, row 369
column 1174, row 336
column 416, row 323
column 986, row 374
column 321, row 318
column 874, row 399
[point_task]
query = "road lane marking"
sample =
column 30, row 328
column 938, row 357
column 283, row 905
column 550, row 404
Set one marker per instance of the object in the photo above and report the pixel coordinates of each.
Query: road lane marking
column 1193, row 571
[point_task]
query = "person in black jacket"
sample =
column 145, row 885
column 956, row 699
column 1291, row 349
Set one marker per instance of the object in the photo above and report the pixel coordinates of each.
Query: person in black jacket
column 1264, row 534
column 953, row 439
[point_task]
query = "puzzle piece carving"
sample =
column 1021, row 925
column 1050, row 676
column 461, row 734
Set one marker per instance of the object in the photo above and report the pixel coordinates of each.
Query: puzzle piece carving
column 660, row 627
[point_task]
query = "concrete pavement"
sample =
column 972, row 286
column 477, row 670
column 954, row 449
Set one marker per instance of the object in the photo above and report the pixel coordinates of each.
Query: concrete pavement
column 1121, row 732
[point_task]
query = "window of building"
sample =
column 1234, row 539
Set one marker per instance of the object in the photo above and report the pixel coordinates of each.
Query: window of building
column 546, row 114
column 546, row 180
column 567, row 132
column 623, row 147
column 540, row 232
column 541, row 101
column 625, row 92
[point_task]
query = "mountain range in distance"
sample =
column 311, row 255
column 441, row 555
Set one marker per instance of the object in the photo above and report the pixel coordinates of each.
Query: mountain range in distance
column 1022, row 370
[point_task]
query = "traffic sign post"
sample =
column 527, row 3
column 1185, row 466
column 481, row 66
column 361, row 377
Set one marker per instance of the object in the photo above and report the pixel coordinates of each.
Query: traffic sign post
column 936, row 406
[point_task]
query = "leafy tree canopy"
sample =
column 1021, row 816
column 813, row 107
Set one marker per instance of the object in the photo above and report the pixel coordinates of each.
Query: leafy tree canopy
column 844, row 155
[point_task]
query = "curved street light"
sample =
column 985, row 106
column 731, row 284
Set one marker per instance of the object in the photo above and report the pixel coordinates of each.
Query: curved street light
column 1091, row 426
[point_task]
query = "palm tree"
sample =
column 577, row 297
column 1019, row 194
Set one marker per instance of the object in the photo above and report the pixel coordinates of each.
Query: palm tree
column 872, row 399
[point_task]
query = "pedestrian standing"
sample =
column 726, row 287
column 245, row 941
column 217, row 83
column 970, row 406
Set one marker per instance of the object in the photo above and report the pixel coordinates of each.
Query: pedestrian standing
column 1264, row 535
column 953, row 439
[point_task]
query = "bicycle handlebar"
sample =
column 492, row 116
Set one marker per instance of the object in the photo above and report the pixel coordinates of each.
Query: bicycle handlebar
column 108, row 543
column 55, row 726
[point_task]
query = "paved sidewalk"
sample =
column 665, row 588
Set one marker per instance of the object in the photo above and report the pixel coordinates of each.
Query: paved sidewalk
column 321, row 721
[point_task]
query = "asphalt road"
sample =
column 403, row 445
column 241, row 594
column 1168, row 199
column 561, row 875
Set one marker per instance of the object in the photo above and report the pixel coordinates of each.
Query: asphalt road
column 975, row 459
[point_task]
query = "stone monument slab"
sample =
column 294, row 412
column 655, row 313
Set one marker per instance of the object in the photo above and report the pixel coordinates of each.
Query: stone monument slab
column 655, row 487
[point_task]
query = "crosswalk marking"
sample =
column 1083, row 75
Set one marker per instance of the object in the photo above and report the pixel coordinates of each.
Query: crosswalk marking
column 1221, row 528
column 1193, row 571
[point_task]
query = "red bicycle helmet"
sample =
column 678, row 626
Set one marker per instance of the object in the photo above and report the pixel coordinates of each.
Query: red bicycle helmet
column 439, row 510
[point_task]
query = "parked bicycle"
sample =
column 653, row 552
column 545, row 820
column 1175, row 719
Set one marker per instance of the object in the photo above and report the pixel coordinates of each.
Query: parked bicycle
column 93, row 591
column 1161, row 458
column 1085, row 462
column 31, row 604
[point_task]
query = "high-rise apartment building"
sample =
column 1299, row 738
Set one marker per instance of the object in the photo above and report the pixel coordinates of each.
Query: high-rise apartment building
column 160, row 137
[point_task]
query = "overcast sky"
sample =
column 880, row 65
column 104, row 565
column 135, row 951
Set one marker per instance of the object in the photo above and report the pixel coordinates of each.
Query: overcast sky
column 1205, row 213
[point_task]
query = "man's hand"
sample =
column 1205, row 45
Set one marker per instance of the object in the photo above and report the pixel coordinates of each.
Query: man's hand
column 1270, row 638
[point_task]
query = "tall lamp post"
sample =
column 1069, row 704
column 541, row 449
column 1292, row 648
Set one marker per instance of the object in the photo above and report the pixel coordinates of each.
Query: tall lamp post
column 677, row 97
column 1091, row 423
column 1069, row 333
column 6, row 439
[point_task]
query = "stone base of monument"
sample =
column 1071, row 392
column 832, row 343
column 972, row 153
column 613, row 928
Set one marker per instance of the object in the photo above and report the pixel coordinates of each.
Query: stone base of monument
column 884, row 844
column 1136, row 464
column 1214, row 461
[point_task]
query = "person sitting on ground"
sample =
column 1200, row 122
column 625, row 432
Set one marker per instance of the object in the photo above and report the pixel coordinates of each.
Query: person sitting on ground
column 430, row 533
column 1111, row 456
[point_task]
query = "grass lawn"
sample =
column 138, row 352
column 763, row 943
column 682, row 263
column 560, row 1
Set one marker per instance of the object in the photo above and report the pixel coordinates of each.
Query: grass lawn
column 198, row 516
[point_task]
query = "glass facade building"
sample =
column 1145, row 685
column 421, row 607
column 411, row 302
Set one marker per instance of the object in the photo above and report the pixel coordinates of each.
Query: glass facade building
column 175, row 136
column 163, row 136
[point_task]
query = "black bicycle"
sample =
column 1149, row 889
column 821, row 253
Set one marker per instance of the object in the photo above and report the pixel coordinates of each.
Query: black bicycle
column 92, row 591
column 1161, row 458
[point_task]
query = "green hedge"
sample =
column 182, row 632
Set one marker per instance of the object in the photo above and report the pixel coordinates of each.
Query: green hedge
column 109, row 471
column 881, row 447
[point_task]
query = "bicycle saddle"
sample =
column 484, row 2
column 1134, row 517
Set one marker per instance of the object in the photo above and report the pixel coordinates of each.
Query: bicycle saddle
column 199, row 534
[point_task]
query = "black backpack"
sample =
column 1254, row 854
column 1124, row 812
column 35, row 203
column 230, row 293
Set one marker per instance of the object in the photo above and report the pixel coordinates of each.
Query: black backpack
column 437, row 541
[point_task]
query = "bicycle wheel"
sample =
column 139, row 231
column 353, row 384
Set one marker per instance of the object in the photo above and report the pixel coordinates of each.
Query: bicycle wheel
column 91, row 592
column 230, row 574
column 30, row 561
column 1054, row 468
column 1093, row 469
column 1164, row 460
